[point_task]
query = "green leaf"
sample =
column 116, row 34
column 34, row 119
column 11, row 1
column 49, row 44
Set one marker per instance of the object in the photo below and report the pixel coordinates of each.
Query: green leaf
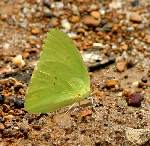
column 60, row 78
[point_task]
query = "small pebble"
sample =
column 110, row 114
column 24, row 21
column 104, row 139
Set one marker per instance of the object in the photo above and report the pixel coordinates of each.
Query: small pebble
column 124, row 47
column 35, row 31
column 130, row 63
column 6, row 108
column 102, row 11
column 9, row 100
column 75, row 9
column 65, row 24
column 103, row 22
column 86, row 112
column 6, row 46
column 90, row 21
column 54, row 22
column 147, row 38
column 135, row 17
column 2, row 99
column 72, row 35
column 1, row 87
column 1, row 127
column 47, row 3
column 144, row 79
column 1, row 118
column 8, row 118
column 135, row 84
column 57, row 5
column 121, row 65
column 19, row 103
column 95, row 14
column 135, row 3
column 107, row 27
column 111, row 83
column 98, row 45
column 47, row 12
column 18, row 61
column 134, row 99
column 116, row 4
column 24, row 128
column 75, row 19
column 90, row 56
column 37, row 127
column 130, row 29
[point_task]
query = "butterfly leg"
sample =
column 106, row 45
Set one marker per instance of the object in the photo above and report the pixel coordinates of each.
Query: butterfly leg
column 74, row 105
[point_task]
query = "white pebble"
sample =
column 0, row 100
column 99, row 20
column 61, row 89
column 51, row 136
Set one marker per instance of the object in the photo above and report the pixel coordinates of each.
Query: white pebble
column 57, row 5
column 135, row 84
column 72, row 34
column 102, row 11
column 114, row 46
column 6, row 46
column 18, row 61
column 65, row 24
column 116, row 4
column 75, row 9
column 90, row 56
column 98, row 45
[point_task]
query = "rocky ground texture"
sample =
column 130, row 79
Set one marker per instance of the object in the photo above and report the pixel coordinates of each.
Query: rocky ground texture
column 113, row 37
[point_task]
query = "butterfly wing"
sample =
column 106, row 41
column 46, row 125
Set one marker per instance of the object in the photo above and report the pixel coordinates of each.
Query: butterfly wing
column 60, row 78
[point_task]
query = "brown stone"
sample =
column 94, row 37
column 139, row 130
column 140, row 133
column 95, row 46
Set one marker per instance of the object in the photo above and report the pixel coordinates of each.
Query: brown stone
column 147, row 38
column 91, row 21
column 121, row 66
column 135, row 17
column 110, row 83
column 95, row 14
column 74, row 19
column 134, row 99
column 124, row 47
column 8, row 118
column 86, row 112
column 35, row 31
column 1, row 126
column 54, row 22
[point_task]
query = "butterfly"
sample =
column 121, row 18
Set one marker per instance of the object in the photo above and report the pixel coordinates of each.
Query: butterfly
column 60, row 77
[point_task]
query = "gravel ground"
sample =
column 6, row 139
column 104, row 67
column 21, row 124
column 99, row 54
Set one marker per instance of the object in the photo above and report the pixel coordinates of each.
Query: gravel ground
column 114, row 40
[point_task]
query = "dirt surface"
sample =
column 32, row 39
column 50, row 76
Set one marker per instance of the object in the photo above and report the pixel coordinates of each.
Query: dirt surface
column 114, row 39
